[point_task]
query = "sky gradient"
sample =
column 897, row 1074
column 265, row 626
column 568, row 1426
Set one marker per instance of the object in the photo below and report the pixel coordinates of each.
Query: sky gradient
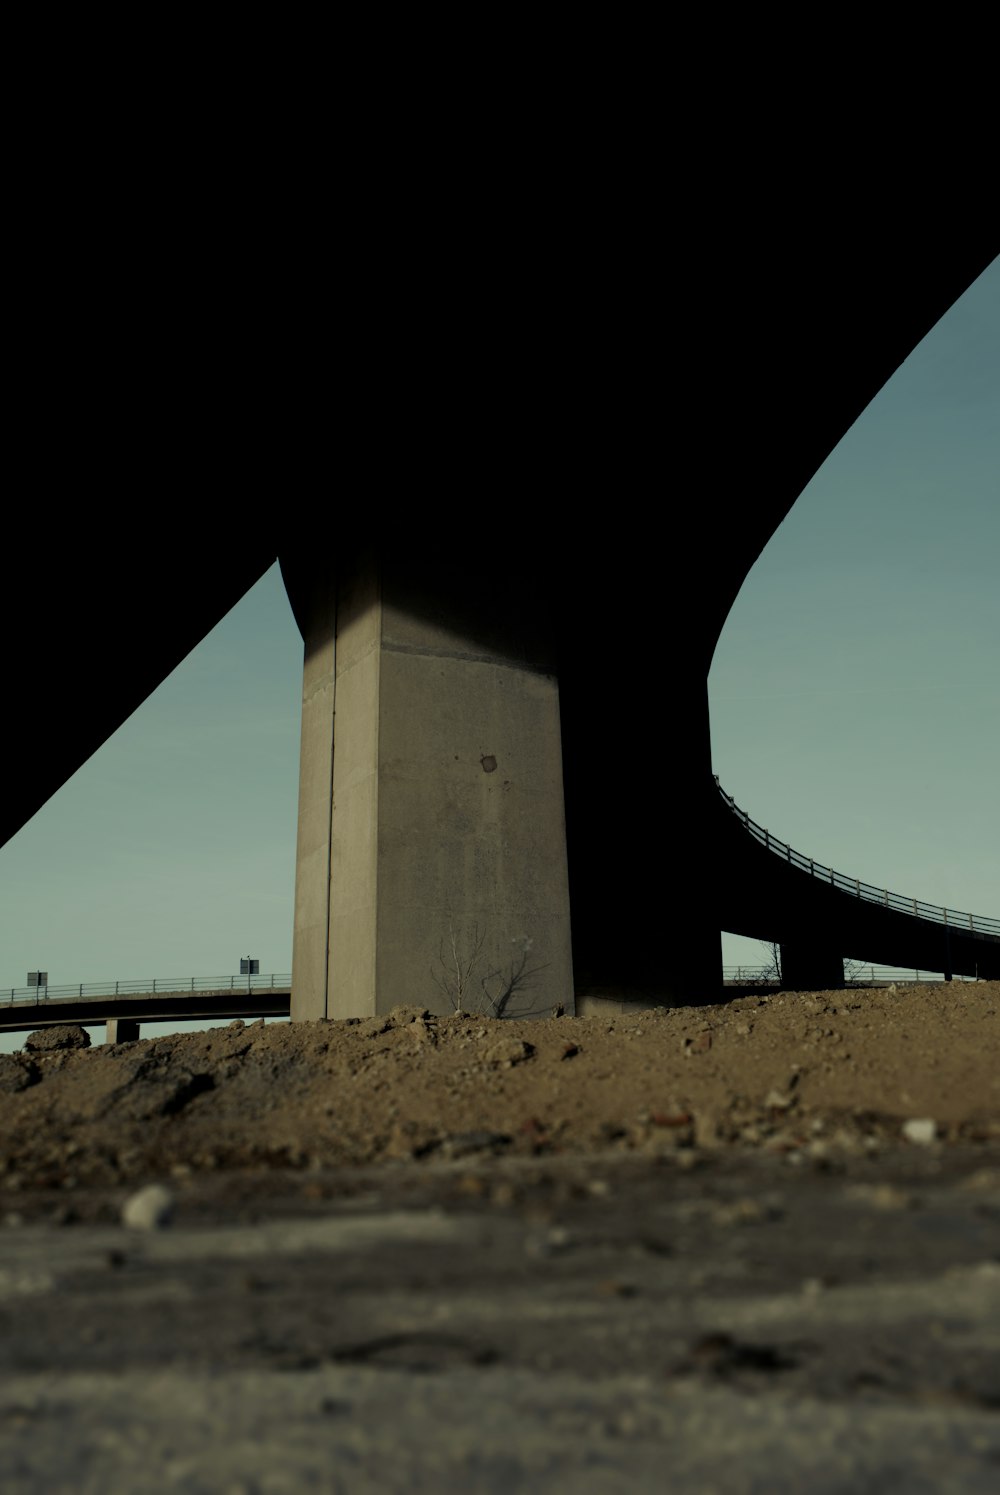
column 855, row 690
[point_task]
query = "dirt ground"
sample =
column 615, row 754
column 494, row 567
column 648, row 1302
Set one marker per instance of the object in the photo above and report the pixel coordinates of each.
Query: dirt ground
column 760, row 1240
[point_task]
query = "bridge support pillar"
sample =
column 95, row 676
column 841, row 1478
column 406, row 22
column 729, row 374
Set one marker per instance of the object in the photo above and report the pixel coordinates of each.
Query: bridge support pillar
column 810, row 967
column 431, row 864
column 122, row 1030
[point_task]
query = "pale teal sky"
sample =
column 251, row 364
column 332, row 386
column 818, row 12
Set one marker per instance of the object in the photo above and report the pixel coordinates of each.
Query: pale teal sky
column 172, row 851
column 855, row 691
column 855, row 698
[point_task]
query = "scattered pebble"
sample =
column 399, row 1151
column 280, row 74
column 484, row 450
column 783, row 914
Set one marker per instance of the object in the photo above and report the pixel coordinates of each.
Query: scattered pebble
column 985, row 1179
column 509, row 1051
column 884, row 1196
column 921, row 1130
column 745, row 1212
column 150, row 1208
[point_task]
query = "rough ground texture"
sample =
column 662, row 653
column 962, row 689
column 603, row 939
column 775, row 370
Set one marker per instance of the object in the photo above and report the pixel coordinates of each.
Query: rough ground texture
column 757, row 1243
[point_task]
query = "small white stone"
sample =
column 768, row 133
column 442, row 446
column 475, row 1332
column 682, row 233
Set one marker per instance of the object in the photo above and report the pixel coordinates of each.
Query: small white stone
column 149, row 1209
column 920, row 1129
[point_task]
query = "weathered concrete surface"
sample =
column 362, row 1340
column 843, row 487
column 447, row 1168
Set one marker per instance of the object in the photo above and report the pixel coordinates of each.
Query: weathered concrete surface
column 605, row 1325
column 432, row 844
column 362, row 1432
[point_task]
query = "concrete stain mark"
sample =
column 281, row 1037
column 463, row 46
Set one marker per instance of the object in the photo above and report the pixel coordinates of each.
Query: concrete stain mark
column 489, row 762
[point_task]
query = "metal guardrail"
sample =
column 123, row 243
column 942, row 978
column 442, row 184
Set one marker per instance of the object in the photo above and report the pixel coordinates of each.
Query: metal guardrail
column 955, row 919
column 866, row 975
column 168, row 985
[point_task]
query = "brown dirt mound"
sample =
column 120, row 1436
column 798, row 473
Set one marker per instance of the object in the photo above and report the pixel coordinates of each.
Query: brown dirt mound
column 814, row 1072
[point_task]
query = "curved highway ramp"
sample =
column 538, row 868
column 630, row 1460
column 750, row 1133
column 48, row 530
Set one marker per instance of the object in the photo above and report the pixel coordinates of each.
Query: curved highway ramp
column 766, row 890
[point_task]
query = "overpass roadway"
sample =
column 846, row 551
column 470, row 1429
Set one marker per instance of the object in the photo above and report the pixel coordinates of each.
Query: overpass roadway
column 124, row 1009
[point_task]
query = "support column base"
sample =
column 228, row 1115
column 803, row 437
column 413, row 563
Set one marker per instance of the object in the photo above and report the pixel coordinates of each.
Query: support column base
column 122, row 1030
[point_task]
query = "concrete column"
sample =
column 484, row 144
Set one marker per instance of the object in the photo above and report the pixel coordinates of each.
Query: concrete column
column 810, row 968
column 121, row 1030
column 431, row 848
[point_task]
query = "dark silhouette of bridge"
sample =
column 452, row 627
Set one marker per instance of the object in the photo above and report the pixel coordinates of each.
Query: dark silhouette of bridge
column 522, row 438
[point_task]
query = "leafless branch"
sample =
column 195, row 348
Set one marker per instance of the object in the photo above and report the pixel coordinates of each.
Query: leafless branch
column 460, row 957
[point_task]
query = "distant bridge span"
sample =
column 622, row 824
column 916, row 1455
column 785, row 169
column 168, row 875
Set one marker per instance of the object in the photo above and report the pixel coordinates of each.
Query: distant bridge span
column 129, row 1003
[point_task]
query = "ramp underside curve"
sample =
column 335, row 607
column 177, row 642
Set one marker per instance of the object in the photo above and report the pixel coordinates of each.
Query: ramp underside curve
column 621, row 441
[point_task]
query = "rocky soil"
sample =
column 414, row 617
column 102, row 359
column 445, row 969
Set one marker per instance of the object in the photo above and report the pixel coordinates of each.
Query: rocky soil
column 759, row 1239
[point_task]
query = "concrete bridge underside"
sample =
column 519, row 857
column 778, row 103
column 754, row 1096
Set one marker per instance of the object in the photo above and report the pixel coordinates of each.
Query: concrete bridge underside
column 510, row 668
column 125, row 1014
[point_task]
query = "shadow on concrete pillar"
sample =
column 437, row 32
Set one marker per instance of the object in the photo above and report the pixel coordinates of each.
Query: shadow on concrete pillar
column 810, row 968
column 640, row 802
